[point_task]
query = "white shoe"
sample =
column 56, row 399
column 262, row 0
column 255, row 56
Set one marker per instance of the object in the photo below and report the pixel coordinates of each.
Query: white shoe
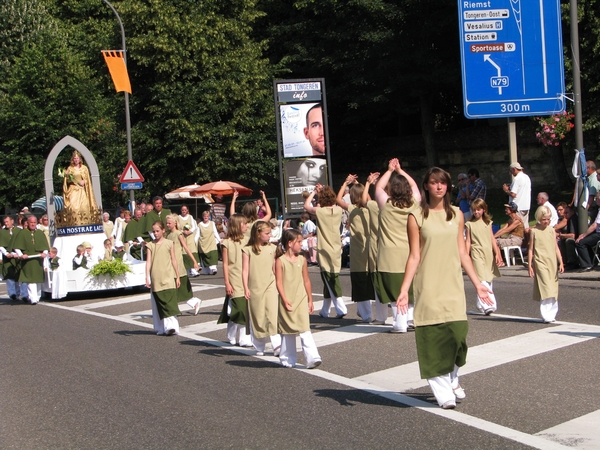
column 277, row 351
column 314, row 364
column 232, row 342
column 260, row 353
column 459, row 392
column 377, row 322
column 394, row 330
column 449, row 405
column 197, row 307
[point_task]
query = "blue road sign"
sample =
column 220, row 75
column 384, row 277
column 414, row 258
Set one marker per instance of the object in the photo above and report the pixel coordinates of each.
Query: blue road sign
column 131, row 186
column 512, row 58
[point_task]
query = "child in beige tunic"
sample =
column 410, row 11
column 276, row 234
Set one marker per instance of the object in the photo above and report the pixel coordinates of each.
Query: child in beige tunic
column 295, row 293
column 258, row 277
column 545, row 261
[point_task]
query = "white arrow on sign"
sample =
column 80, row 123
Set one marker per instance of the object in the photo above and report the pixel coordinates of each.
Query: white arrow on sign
column 488, row 59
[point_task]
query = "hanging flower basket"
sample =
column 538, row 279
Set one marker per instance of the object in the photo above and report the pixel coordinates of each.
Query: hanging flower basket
column 551, row 130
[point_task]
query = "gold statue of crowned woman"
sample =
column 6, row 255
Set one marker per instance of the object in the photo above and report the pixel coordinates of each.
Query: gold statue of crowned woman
column 80, row 203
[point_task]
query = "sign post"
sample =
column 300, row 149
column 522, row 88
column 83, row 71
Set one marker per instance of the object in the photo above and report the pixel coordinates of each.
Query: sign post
column 512, row 58
column 131, row 178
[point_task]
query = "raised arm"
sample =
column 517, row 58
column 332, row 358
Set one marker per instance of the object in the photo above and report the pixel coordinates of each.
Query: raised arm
column 372, row 178
column 268, row 212
column 232, row 205
column 308, row 206
column 350, row 179
column 381, row 197
column 414, row 187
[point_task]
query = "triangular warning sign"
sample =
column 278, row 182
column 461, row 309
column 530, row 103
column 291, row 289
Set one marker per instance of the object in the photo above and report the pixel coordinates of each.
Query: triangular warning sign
column 131, row 174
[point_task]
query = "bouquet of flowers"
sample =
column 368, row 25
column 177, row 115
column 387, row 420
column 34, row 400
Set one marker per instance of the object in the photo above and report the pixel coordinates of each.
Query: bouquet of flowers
column 551, row 130
column 63, row 173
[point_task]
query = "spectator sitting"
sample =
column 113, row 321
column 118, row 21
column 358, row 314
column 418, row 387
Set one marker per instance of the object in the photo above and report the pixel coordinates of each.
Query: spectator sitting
column 80, row 261
column 514, row 228
column 566, row 238
column 562, row 218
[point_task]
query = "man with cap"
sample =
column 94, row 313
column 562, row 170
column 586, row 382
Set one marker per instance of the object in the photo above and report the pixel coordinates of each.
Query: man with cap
column 519, row 192
column 513, row 232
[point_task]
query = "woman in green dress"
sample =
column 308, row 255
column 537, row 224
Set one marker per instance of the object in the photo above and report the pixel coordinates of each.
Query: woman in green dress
column 437, row 252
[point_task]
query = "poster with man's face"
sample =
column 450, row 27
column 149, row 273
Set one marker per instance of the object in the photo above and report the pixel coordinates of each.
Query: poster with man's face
column 302, row 175
column 302, row 130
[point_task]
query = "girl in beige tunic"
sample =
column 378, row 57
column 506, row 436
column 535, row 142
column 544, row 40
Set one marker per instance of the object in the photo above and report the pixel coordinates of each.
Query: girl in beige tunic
column 163, row 280
column 258, row 277
column 189, row 228
column 296, row 305
column 484, row 250
column 207, row 244
column 545, row 261
column 185, row 292
column 360, row 236
column 235, row 306
column 435, row 236
column 397, row 195
column 329, row 247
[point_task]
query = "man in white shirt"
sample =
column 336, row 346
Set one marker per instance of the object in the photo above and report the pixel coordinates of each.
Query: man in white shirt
column 519, row 192
column 542, row 200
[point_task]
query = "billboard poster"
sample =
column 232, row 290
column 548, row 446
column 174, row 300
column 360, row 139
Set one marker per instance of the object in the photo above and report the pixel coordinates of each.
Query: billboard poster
column 302, row 137
column 302, row 175
column 302, row 130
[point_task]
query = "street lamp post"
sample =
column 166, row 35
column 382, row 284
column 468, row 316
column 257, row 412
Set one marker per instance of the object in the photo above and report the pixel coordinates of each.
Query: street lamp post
column 127, row 118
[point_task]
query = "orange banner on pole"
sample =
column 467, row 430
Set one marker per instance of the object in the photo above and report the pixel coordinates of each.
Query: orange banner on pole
column 115, row 61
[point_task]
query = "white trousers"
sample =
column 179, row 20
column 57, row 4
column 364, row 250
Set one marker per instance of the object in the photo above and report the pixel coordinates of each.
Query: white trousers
column 162, row 326
column 484, row 306
column 381, row 311
column 13, row 288
column 443, row 387
column 31, row 290
column 236, row 333
column 402, row 321
column 288, row 353
column 549, row 309
column 259, row 343
column 363, row 309
column 340, row 307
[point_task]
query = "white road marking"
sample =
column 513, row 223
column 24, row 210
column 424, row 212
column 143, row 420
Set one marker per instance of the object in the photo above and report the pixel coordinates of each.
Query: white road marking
column 558, row 336
column 581, row 433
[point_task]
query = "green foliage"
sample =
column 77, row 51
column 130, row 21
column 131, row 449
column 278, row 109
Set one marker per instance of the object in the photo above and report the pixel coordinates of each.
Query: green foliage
column 113, row 268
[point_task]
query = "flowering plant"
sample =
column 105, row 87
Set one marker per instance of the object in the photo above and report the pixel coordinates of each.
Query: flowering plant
column 552, row 129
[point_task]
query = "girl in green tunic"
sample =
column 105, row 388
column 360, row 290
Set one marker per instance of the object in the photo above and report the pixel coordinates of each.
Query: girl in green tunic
column 484, row 250
column 545, row 261
column 435, row 236
column 163, row 280
column 362, row 284
column 295, row 292
column 258, row 276
column 235, row 306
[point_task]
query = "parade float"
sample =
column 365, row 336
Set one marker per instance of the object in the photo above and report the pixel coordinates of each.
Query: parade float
column 79, row 221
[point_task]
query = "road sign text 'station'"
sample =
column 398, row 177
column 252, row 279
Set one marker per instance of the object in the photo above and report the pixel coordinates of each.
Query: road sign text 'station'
column 512, row 58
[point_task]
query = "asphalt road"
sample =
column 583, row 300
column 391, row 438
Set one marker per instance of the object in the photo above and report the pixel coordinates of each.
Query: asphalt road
column 89, row 373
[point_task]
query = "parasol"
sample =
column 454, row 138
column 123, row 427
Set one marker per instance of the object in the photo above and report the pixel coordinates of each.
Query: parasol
column 40, row 203
column 189, row 192
column 222, row 188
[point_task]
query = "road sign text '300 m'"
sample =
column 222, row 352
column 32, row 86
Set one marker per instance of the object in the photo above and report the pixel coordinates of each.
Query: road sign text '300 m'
column 512, row 58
